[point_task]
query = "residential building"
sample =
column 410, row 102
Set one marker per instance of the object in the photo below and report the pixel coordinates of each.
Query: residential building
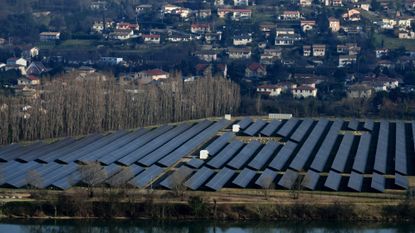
column 304, row 92
column 290, row 15
column 240, row 2
column 239, row 53
column 334, row 24
column 148, row 76
column 49, row 36
column 200, row 28
column 306, row 50
column 305, row 3
column 270, row 90
column 319, row 50
column 307, row 25
column 359, row 91
column 255, row 70
column 345, row 60
column 111, row 60
column 151, row 38
column 240, row 40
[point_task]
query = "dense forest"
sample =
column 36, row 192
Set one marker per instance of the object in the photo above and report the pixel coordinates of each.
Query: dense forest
column 71, row 106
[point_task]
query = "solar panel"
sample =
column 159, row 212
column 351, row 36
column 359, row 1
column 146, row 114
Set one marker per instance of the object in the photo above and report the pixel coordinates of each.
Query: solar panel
column 244, row 178
column 177, row 178
column 176, row 142
column 67, row 181
column 305, row 151
column 155, row 144
column 323, row 154
column 114, row 145
column 51, row 156
column 264, row 155
column 125, row 174
column 24, row 178
column 400, row 149
column 301, row 131
column 401, row 181
column 413, row 133
column 369, row 125
column 23, row 150
column 382, row 148
column 219, row 143
column 199, row 178
column 32, row 155
column 220, row 179
column 286, row 129
column 310, row 180
column 76, row 154
column 13, row 169
column 283, row 156
column 134, row 145
column 226, row 154
column 289, row 179
column 355, row 181
column 57, row 174
column 194, row 143
column 378, row 182
column 244, row 155
column 8, row 149
column 270, row 128
column 195, row 163
column 333, row 180
column 244, row 122
column 146, row 177
column 266, row 179
column 342, row 155
column 362, row 153
column 255, row 127
column 353, row 124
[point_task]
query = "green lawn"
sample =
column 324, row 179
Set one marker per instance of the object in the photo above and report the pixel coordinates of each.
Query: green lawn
column 394, row 43
column 77, row 43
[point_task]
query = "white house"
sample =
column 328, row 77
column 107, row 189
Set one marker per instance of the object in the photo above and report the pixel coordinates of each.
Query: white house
column 304, row 92
column 270, row 90
column 242, row 40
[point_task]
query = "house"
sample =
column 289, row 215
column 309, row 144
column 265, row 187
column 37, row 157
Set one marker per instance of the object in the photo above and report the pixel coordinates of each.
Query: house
column 200, row 28
column 304, row 92
column 255, row 70
column 359, row 91
column 306, row 50
column 305, row 3
column 240, row 2
column 204, row 13
column 381, row 52
column 151, row 38
column 36, row 68
column 269, row 90
column 207, row 55
column 334, row 24
column 49, row 36
column 28, row 81
column 266, row 28
column 111, row 60
column 405, row 23
column 219, row 2
column 381, row 83
column 388, row 23
column 386, row 64
column 352, row 15
column 406, row 34
column 286, row 37
column 178, row 37
column 269, row 56
column 121, row 34
column 127, row 26
column 345, row 60
column 98, row 26
column 287, row 86
column 148, row 76
column 14, row 61
column 98, row 5
column 239, row 53
column 173, row 9
column 348, row 49
column 242, row 39
column 290, row 15
column 307, row 25
column 143, row 8
column 236, row 14
column 319, row 50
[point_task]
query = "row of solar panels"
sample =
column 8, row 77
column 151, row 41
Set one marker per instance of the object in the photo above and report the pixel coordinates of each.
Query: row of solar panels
column 226, row 177
column 164, row 145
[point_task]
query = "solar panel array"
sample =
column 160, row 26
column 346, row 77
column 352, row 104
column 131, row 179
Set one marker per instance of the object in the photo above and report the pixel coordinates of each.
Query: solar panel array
column 316, row 154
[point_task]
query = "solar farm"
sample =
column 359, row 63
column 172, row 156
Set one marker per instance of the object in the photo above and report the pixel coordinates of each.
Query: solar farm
column 314, row 154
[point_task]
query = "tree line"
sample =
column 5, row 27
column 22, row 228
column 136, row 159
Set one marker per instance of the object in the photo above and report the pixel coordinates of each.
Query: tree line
column 71, row 105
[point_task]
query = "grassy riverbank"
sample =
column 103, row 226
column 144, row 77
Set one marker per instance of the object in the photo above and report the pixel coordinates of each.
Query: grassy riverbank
column 225, row 205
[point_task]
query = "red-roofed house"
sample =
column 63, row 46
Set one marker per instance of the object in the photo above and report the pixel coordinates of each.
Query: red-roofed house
column 151, row 38
column 200, row 28
column 255, row 70
column 152, row 75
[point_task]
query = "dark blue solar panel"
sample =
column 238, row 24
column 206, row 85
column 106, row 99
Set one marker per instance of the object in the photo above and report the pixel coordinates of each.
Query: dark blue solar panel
column 146, row 177
column 305, row 151
column 195, row 163
column 57, row 174
column 219, row 143
column 244, row 178
column 353, row 124
column 177, row 178
column 220, row 179
column 244, row 155
column 244, row 123
column 255, row 127
column 362, row 153
column 310, row 180
column 287, row 127
column 266, row 179
column 199, row 178
column 382, row 148
column 283, row 156
column 125, row 174
column 264, row 155
column 323, row 154
column 33, row 155
column 400, row 149
column 289, row 179
column 355, row 181
column 378, row 182
column 339, row 163
column 301, row 131
column 333, row 180
column 226, row 154
column 271, row 127
column 369, row 125
column 401, row 181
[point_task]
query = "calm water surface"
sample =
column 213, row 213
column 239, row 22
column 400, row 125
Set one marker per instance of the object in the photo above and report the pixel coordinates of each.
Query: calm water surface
column 30, row 226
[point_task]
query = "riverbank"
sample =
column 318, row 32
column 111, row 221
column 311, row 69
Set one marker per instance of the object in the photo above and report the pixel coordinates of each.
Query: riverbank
column 226, row 205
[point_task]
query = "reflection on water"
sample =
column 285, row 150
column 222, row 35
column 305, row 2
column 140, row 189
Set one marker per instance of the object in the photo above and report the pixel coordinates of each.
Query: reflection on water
column 30, row 226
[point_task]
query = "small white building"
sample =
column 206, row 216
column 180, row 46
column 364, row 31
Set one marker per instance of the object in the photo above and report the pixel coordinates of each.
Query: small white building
column 304, row 92
column 270, row 90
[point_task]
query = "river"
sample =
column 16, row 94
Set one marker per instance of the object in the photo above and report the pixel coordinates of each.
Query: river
column 101, row 226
